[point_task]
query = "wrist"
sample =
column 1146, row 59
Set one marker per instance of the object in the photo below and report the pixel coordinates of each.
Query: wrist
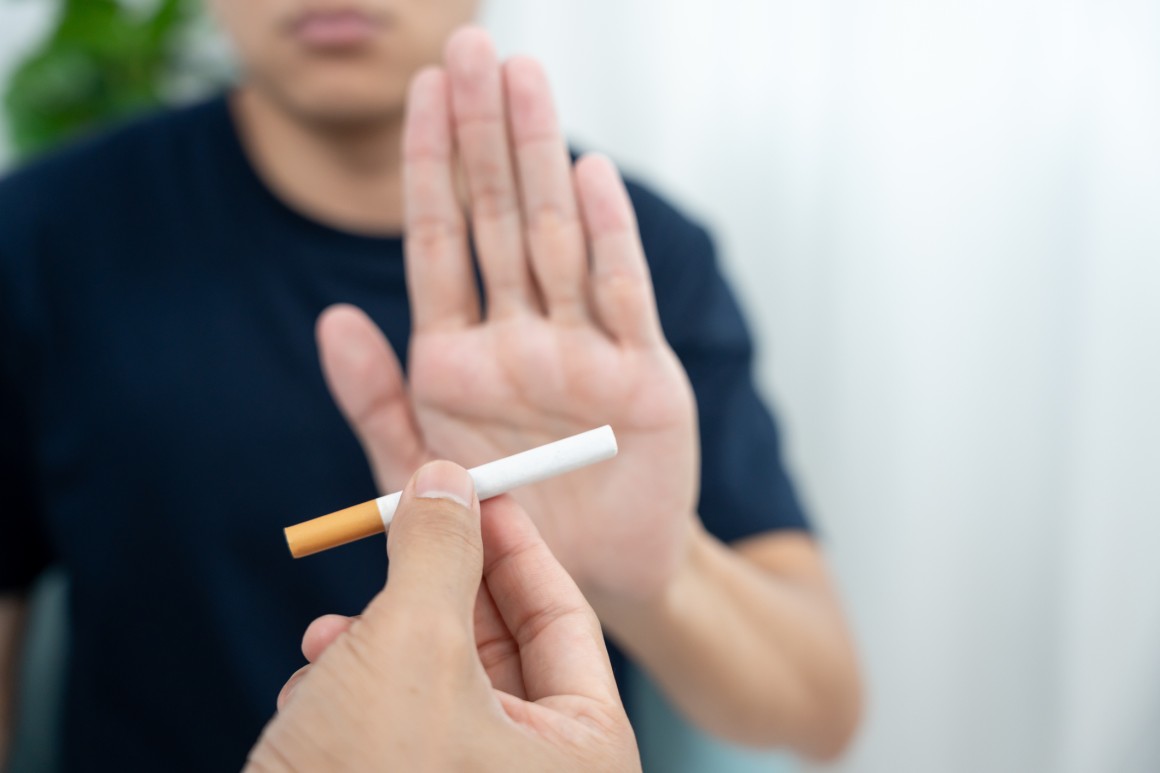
column 635, row 613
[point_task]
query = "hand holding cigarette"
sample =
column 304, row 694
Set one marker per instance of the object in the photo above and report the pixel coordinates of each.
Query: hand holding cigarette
column 491, row 479
column 480, row 652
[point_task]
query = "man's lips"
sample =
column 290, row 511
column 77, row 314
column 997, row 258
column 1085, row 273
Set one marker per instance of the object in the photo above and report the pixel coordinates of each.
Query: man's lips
column 335, row 29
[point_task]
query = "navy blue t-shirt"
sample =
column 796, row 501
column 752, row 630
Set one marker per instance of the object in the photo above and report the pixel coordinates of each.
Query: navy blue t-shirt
column 163, row 416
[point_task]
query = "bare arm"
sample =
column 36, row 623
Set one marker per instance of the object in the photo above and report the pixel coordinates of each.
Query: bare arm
column 12, row 619
column 750, row 644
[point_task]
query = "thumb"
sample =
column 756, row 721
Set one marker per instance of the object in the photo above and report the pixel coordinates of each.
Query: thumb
column 434, row 543
column 365, row 379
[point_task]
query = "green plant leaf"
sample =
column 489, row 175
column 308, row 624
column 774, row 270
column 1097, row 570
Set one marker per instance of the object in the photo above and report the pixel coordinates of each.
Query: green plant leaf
column 101, row 63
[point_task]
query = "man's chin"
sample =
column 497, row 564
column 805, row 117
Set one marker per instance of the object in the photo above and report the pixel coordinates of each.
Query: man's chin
column 340, row 108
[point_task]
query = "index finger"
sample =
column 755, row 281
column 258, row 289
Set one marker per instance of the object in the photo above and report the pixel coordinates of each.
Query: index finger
column 559, row 637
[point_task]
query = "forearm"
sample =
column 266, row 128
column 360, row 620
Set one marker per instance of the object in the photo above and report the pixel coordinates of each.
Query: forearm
column 12, row 613
column 747, row 654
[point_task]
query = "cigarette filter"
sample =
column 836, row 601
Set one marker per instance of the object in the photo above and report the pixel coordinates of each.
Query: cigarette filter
column 491, row 479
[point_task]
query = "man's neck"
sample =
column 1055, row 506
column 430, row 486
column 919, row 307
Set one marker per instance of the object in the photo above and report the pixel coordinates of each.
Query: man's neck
column 346, row 177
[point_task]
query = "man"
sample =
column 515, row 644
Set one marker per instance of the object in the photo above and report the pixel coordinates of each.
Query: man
column 164, row 417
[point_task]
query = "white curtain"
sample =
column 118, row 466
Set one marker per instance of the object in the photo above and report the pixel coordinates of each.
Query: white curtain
column 944, row 220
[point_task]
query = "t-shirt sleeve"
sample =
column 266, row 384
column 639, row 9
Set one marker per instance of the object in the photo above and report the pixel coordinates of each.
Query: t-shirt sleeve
column 745, row 488
column 24, row 550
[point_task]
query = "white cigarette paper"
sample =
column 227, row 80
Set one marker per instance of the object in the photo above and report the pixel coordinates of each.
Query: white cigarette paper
column 491, row 479
column 527, row 467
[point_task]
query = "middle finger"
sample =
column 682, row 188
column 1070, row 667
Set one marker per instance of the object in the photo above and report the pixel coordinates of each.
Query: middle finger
column 477, row 106
column 555, row 236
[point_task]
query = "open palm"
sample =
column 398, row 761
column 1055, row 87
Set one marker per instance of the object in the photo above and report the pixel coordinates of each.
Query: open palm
column 569, row 339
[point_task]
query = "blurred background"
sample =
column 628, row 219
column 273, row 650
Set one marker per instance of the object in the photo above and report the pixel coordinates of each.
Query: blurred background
column 943, row 219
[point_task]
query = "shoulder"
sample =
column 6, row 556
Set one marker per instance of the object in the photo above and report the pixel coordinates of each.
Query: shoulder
column 53, row 189
column 680, row 249
column 664, row 227
column 696, row 305
column 89, row 198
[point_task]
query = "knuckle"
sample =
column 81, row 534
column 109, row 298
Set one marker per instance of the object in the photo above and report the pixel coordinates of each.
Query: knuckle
column 496, row 650
column 491, row 198
column 433, row 233
column 552, row 217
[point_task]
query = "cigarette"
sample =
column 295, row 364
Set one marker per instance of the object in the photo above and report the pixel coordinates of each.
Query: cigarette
column 491, row 479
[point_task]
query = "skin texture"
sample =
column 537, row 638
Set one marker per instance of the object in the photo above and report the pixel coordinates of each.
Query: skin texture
column 748, row 640
column 480, row 653
column 339, row 87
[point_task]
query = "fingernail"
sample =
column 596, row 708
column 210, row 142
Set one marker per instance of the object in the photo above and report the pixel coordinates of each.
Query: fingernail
column 445, row 480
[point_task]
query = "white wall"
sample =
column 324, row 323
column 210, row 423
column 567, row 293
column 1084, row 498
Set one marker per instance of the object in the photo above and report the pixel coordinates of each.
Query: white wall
column 944, row 218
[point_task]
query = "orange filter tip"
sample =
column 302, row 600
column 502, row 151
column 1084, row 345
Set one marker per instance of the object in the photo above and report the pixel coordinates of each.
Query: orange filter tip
column 338, row 528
